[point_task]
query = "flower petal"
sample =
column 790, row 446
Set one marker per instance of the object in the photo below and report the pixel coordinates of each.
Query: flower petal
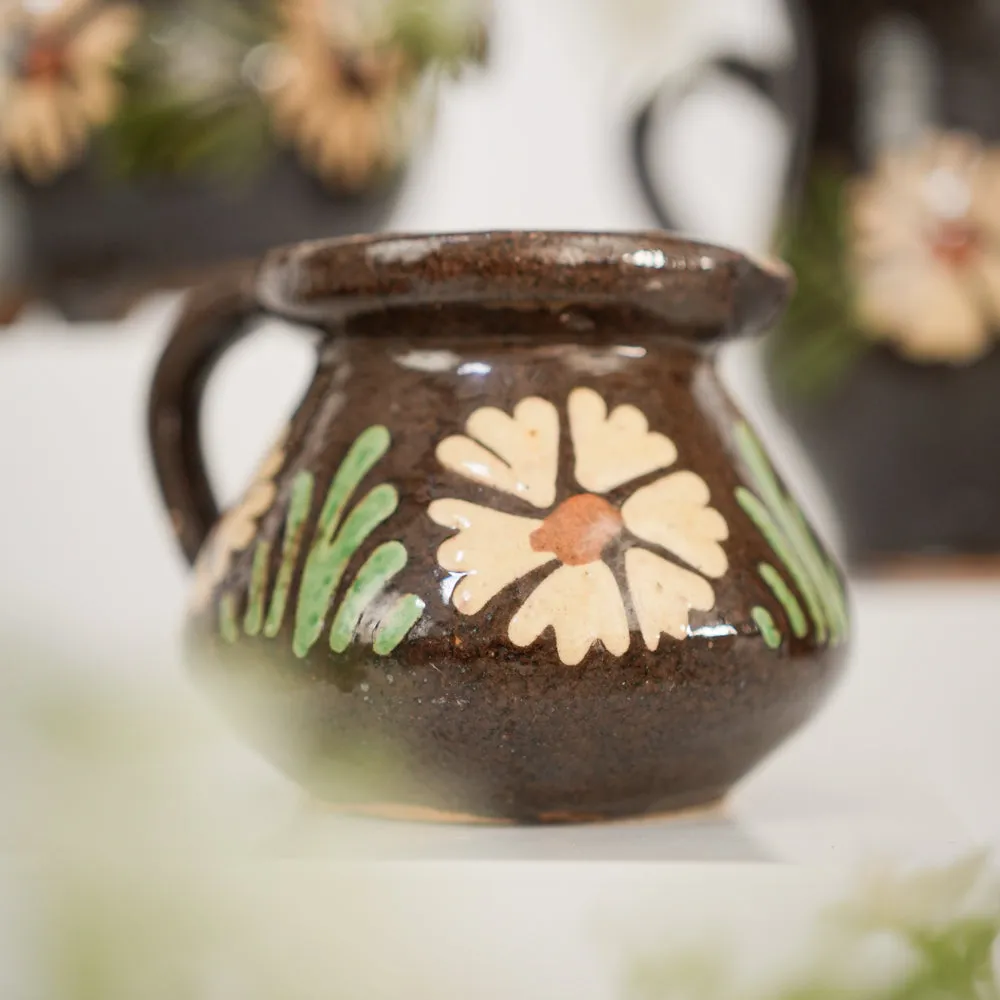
column 523, row 450
column 928, row 311
column 583, row 604
column 674, row 512
column 989, row 277
column 97, row 96
column 258, row 499
column 663, row 595
column 103, row 38
column 616, row 448
column 491, row 549
column 272, row 462
column 56, row 17
column 34, row 131
column 210, row 569
column 985, row 208
column 884, row 222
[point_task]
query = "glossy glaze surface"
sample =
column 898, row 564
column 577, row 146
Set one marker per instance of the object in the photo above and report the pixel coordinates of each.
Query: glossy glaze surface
column 527, row 550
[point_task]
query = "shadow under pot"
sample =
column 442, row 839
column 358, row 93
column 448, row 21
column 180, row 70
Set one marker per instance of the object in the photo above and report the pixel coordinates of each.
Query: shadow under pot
column 517, row 557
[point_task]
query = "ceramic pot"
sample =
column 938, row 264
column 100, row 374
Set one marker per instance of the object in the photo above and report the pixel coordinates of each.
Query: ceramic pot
column 148, row 143
column 516, row 539
column 93, row 248
column 887, row 364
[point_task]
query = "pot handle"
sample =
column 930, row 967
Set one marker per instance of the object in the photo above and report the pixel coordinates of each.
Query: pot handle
column 789, row 88
column 215, row 316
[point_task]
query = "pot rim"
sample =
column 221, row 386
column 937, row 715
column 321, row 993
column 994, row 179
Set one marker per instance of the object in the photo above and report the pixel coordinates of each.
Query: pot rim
column 704, row 291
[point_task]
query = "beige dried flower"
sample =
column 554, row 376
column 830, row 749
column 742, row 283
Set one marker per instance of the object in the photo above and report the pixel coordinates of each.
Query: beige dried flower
column 345, row 103
column 925, row 249
column 57, row 80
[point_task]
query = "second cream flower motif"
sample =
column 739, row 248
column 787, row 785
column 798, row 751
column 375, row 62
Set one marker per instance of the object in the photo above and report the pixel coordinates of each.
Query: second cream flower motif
column 581, row 598
column 345, row 103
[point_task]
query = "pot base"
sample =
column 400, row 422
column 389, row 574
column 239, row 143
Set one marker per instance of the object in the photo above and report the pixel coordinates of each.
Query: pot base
column 397, row 812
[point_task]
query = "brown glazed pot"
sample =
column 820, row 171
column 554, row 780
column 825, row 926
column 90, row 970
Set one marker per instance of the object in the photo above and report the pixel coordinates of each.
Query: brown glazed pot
column 517, row 547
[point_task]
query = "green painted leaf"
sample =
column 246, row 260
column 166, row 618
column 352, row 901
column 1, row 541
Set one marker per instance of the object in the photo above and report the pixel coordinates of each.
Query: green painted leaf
column 298, row 511
column 781, row 590
column 382, row 565
column 768, row 527
column 228, row 627
column 327, row 558
column 827, row 580
column 836, row 603
column 341, row 530
column 394, row 628
column 253, row 621
column 782, row 523
column 370, row 446
column 770, row 632
column 327, row 562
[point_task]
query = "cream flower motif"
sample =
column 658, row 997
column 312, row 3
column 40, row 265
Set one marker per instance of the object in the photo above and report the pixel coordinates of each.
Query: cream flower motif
column 237, row 528
column 57, row 79
column 924, row 252
column 581, row 599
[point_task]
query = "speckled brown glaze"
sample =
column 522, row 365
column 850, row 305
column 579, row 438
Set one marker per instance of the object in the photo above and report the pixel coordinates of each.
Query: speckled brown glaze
column 418, row 333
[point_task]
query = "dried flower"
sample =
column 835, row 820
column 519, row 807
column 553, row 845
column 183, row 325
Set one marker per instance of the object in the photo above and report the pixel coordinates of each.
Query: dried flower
column 342, row 101
column 57, row 80
column 924, row 255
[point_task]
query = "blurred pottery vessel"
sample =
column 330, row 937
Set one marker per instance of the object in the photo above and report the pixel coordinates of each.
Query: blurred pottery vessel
column 93, row 248
column 147, row 145
column 887, row 363
column 517, row 557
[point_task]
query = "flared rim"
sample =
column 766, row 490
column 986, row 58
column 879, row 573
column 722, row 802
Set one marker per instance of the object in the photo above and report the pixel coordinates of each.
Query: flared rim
column 706, row 291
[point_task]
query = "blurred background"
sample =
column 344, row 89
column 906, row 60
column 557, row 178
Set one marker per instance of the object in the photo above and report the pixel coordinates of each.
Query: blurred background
column 857, row 139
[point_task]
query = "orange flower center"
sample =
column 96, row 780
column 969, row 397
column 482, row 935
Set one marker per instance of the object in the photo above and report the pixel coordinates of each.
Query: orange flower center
column 44, row 60
column 366, row 72
column 578, row 530
column 955, row 243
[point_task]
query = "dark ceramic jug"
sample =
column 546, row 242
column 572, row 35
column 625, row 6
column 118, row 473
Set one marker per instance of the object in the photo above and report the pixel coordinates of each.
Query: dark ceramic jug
column 887, row 365
column 784, row 84
column 93, row 248
column 517, row 540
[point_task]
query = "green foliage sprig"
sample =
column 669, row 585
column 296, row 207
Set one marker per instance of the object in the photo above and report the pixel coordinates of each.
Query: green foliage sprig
column 425, row 30
column 818, row 340
column 168, row 126
column 935, row 933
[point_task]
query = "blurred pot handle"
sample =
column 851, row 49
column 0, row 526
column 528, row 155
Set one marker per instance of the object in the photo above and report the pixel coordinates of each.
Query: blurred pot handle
column 789, row 87
column 215, row 316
